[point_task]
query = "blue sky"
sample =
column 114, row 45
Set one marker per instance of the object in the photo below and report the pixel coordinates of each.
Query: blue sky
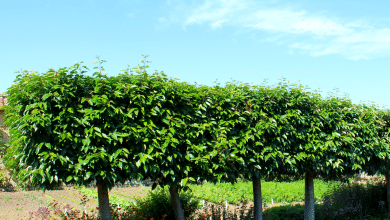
column 322, row 44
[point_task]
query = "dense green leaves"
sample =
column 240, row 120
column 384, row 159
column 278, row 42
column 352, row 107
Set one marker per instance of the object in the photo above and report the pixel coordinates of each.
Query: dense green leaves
column 69, row 127
column 61, row 136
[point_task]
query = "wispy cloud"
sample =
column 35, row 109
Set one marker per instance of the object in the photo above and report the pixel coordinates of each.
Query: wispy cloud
column 323, row 34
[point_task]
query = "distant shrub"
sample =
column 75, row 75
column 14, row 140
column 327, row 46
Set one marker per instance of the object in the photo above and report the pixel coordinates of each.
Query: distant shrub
column 157, row 204
column 3, row 179
column 3, row 146
column 290, row 212
column 357, row 201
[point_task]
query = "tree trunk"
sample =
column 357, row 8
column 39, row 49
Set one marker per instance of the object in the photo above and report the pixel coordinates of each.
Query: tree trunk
column 387, row 176
column 179, row 214
column 309, row 197
column 258, row 206
column 104, row 203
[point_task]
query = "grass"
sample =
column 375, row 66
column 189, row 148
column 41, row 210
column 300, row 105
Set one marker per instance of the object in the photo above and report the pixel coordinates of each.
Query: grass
column 26, row 195
column 124, row 195
column 68, row 198
column 278, row 192
column 113, row 199
column 6, row 198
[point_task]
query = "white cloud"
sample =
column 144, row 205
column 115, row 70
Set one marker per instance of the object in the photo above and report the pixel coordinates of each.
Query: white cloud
column 218, row 23
column 288, row 21
column 283, row 25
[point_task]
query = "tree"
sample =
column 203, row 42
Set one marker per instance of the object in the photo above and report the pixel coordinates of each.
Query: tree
column 251, row 130
column 62, row 124
column 380, row 160
column 167, row 128
column 338, row 138
column 265, row 135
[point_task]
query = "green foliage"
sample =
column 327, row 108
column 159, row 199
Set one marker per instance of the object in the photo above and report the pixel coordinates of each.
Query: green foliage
column 164, row 129
column 289, row 212
column 69, row 127
column 64, row 131
column 3, row 146
column 77, row 127
column 379, row 162
column 12, row 164
column 219, row 192
column 158, row 204
column 284, row 130
column 285, row 178
column 3, row 179
column 279, row 192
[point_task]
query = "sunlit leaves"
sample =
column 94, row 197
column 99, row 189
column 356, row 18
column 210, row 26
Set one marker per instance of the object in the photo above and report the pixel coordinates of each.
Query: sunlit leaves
column 149, row 125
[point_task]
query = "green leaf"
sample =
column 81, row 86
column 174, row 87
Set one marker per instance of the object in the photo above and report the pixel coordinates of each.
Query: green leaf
column 87, row 175
column 184, row 181
column 69, row 178
column 97, row 129
column 51, row 178
column 46, row 96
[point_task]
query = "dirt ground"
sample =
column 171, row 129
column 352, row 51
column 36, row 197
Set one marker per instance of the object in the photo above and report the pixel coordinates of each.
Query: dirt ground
column 16, row 204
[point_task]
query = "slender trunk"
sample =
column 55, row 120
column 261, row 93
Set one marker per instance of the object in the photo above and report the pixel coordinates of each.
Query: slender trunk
column 387, row 176
column 179, row 214
column 309, row 197
column 104, row 203
column 258, row 206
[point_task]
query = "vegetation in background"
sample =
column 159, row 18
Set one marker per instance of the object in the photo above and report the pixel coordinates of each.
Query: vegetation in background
column 3, row 146
column 279, row 192
column 158, row 203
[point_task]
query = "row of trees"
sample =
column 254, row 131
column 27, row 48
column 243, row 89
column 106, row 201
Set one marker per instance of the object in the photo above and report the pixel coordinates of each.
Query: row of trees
column 69, row 127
